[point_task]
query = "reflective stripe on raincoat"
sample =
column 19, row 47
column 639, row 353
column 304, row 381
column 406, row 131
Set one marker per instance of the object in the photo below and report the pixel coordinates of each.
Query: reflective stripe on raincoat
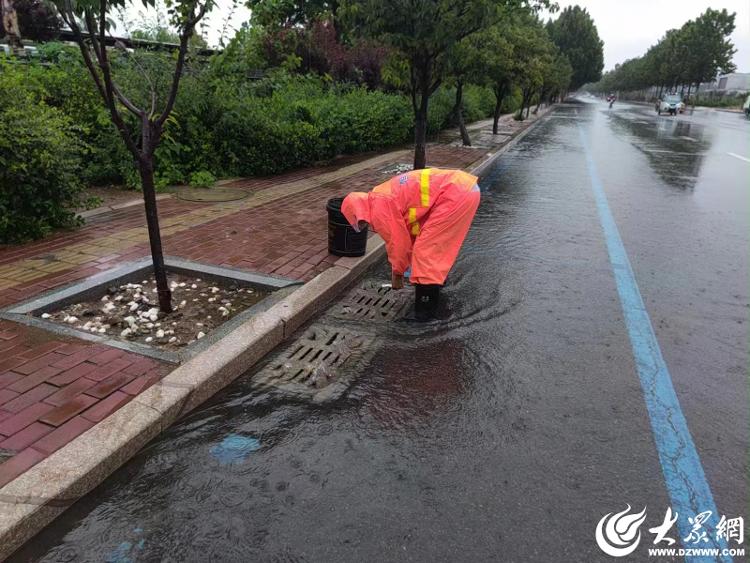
column 423, row 217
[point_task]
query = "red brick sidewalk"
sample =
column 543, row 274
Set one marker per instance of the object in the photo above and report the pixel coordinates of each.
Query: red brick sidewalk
column 53, row 389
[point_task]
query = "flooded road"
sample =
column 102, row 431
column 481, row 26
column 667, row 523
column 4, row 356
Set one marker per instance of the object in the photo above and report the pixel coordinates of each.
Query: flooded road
column 508, row 429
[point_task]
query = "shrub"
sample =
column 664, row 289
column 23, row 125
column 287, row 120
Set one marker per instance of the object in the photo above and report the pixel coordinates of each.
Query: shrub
column 202, row 179
column 39, row 167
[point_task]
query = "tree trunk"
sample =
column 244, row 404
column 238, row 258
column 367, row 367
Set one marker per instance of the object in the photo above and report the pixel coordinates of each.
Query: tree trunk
column 420, row 138
column 146, row 168
column 499, row 96
column 459, row 112
column 10, row 24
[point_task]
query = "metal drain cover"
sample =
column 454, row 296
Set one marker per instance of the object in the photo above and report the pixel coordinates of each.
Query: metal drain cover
column 374, row 302
column 318, row 366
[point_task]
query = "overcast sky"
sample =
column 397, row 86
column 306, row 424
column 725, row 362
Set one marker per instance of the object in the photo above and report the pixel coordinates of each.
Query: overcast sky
column 628, row 28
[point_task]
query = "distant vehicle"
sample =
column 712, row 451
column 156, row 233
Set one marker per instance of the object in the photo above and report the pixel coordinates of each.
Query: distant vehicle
column 746, row 106
column 611, row 99
column 672, row 103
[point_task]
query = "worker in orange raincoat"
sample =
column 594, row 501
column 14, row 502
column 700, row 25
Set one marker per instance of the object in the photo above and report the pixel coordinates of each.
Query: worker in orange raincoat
column 423, row 217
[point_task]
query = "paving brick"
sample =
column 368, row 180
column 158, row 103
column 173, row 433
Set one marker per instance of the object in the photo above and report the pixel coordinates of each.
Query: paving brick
column 140, row 366
column 106, row 356
column 103, row 372
column 69, row 391
column 12, row 347
column 4, row 415
column 110, row 384
column 32, row 380
column 142, row 382
column 18, row 464
column 67, row 362
column 26, row 437
column 22, row 419
column 61, row 414
column 73, row 373
column 7, row 334
column 11, row 363
column 107, row 406
column 31, row 396
column 40, row 350
column 43, row 361
column 71, row 348
column 6, row 395
column 8, row 378
column 63, row 435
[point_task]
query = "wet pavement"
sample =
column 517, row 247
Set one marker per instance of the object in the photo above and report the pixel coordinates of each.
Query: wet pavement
column 509, row 428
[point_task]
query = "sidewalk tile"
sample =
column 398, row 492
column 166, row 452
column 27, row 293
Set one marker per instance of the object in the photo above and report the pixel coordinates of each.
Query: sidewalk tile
column 8, row 378
column 22, row 419
column 110, row 384
column 6, row 395
column 62, row 435
column 107, row 406
column 103, row 372
column 18, row 464
column 32, row 396
column 29, row 381
column 43, row 361
column 26, row 437
column 73, row 373
column 61, row 414
column 79, row 357
column 106, row 356
column 70, row 391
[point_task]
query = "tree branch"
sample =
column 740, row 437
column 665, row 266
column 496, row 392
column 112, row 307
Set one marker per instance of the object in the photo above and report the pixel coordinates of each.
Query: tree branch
column 187, row 32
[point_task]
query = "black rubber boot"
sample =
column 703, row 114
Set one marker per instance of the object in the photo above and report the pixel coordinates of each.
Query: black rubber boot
column 426, row 298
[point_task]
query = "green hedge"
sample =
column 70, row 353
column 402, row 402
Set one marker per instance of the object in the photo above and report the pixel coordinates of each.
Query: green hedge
column 40, row 162
column 222, row 125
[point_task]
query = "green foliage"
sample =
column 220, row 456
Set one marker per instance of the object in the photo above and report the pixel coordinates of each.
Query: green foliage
column 302, row 121
column 575, row 34
column 39, row 164
column 202, row 179
column 695, row 53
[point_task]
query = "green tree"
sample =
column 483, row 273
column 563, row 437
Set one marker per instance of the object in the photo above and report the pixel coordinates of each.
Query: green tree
column 464, row 63
column 496, row 58
column 421, row 32
column 143, row 131
column 575, row 34
column 532, row 58
column 707, row 48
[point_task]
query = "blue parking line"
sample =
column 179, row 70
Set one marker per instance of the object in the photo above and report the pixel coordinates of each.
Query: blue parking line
column 683, row 473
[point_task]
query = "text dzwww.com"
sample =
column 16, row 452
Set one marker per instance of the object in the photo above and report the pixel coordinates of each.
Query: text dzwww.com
column 695, row 552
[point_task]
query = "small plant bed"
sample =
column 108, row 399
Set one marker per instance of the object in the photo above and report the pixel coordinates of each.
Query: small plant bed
column 130, row 311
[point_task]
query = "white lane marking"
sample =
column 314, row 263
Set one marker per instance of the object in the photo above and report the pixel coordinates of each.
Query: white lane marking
column 687, row 138
column 738, row 156
column 675, row 152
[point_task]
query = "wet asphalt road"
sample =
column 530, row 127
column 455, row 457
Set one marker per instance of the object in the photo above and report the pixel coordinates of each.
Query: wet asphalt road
column 506, row 431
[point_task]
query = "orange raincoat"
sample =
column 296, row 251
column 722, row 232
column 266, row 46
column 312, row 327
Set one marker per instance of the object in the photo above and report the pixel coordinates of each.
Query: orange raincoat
column 423, row 216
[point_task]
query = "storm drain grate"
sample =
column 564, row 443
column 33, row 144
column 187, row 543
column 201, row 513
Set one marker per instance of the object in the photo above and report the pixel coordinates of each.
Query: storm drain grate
column 318, row 366
column 374, row 302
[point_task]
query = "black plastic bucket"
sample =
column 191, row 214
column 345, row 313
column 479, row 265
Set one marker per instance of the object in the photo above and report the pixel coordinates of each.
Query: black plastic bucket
column 426, row 299
column 343, row 240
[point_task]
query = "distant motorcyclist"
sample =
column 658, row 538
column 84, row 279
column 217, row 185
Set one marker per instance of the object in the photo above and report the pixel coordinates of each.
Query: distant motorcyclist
column 611, row 100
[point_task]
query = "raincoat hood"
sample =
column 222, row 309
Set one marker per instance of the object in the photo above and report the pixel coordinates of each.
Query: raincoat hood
column 356, row 208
